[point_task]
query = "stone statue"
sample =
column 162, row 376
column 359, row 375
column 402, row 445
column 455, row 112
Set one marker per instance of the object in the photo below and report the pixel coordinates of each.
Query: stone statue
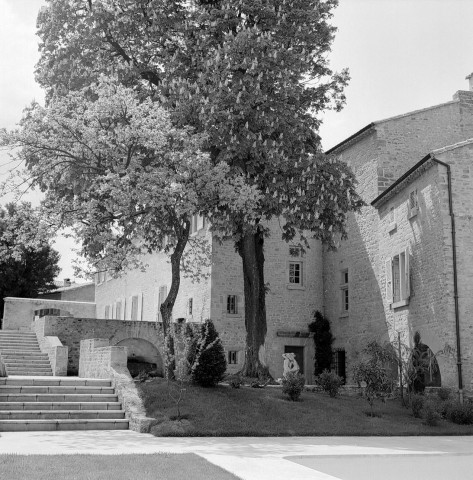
column 290, row 364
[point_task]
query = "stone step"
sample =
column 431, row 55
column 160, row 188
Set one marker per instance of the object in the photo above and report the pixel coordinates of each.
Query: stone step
column 26, row 362
column 50, row 425
column 21, row 351
column 31, row 374
column 29, row 406
column 16, row 336
column 54, row 389
column 19, row 346
column 57, row 381
column 60, row 414
column 19, row 369
column 25, row 356
column 56, row 397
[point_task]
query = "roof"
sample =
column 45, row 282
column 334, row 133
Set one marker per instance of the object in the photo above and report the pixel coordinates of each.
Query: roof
column 417, row 170
column 73, row 286
column 360, row 133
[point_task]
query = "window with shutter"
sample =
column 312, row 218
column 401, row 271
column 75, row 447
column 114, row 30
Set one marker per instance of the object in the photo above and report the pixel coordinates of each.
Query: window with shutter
column 398, row 289
column 389, row 280
column 134, row 307
column 163, row 289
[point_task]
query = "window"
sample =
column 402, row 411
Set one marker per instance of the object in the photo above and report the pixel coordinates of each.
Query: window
column 232, row 303
column 232, row 357
column 163, row 292
column 397, row 279
column 118, row 311
column 413, row 203
column 339, row 363
column 197, row 223
column 190, row 303
column 107, row 311
column 100, row 277
column 134, row 307
column 295, row 273
column 344, row 296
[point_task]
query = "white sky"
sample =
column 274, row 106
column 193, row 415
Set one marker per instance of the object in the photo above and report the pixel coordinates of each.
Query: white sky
column 402, row 54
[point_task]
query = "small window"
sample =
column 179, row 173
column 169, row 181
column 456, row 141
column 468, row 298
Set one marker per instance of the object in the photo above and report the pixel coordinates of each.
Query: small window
column 392, row 225
column 413, row 203
column 339, row 363
column 232, row 357
column 190, row 304
column 398, row 279
column 232, row 308
column 345, row 305
column 295, row 273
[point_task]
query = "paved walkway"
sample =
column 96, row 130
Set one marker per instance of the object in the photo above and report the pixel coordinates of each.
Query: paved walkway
column 289, row 458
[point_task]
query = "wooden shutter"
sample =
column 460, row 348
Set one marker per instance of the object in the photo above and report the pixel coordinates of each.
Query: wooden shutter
column 200, row 222
column 407, row 282
column 139, row 315
column 163, row 291
column 134, row 307
column 123, row 316
column 389, row 279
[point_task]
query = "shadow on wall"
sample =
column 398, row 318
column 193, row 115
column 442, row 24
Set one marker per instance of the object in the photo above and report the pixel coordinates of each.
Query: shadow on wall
column 142, row 355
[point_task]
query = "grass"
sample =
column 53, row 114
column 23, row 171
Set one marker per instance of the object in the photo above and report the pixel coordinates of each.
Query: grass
column 106, row 467
column 223, row 411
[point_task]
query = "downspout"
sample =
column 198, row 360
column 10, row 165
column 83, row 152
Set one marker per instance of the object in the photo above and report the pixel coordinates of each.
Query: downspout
column 455, row 277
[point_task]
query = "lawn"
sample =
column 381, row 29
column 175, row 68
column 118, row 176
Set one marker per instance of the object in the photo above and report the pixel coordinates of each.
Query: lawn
column 224, row 411
column 106, row 467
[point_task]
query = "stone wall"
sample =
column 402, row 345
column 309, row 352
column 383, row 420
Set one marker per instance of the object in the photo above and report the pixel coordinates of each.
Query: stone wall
column 18, row 313
column 288, row 308
column 100, row 360
column 57, row 352
column 146, row 285
column 71, row 331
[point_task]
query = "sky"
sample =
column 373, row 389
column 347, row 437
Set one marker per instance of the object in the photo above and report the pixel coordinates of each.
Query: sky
column 403, row 55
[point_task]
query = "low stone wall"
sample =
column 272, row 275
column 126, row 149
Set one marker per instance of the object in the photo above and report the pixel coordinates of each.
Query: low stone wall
column 18, row 313
column 100, row 360
column 72, row 330
column 57, row 352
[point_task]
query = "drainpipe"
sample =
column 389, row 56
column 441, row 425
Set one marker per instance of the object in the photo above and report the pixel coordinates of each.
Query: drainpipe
column 455, row 277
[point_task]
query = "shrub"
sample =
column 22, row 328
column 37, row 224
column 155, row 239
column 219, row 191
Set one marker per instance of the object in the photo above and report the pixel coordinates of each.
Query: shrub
column 293, row 385
column 444, row 393
column 460, row 414
column 330, row 382
column 417, row 403
column 431, row 414
column 210, row 365
column 323, row 340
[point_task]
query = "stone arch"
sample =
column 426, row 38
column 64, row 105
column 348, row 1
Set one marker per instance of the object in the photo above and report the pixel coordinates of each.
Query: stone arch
column 141, row 350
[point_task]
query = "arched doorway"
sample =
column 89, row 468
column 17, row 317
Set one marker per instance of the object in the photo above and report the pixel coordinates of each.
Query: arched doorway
column 142, row 356
column 425, row 367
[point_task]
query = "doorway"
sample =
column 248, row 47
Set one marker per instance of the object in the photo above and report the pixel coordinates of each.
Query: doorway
column 299, row 354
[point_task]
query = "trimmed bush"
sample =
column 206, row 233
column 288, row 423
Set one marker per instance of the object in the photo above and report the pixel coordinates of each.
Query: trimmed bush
column 323, row 340
column 460, row 414
column 431, row 414
column 293, row 385
column 417, row 404
column 330, row 382
column 443, row 393
column 210, row 365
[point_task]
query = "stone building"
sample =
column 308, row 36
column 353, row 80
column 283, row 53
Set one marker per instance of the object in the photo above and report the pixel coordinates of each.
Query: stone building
column 393, row 276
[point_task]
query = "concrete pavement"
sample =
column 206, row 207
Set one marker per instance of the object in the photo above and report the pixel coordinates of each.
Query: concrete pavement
column 270, row 458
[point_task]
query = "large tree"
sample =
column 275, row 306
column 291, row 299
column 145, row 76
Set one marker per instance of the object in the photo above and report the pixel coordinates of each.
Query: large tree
column 28, row 263
column 250, row 74
column 116, row 171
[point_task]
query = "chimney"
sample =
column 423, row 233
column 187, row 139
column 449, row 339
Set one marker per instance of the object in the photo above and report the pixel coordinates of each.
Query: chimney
column 470, row 81
column 67, row 282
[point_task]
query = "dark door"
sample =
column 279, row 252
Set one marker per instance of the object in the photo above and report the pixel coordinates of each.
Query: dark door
column 299, row 353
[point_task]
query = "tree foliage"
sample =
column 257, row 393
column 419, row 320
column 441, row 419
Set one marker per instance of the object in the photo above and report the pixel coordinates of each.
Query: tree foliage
column 252, row 75
column 28, row 263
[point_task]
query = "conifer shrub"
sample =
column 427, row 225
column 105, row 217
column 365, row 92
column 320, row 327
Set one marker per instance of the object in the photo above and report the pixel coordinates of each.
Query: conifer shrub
column 209, row 364
column 323, row 340
column 330, row 382
column 293, row 385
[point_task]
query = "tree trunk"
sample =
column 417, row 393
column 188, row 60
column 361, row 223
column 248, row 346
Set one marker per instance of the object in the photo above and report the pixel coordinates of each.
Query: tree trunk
column 168, row 304
column 250, row 248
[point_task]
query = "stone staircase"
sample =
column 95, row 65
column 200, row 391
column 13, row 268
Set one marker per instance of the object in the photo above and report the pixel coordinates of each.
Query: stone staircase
column 32, row 399
column 21, row 354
